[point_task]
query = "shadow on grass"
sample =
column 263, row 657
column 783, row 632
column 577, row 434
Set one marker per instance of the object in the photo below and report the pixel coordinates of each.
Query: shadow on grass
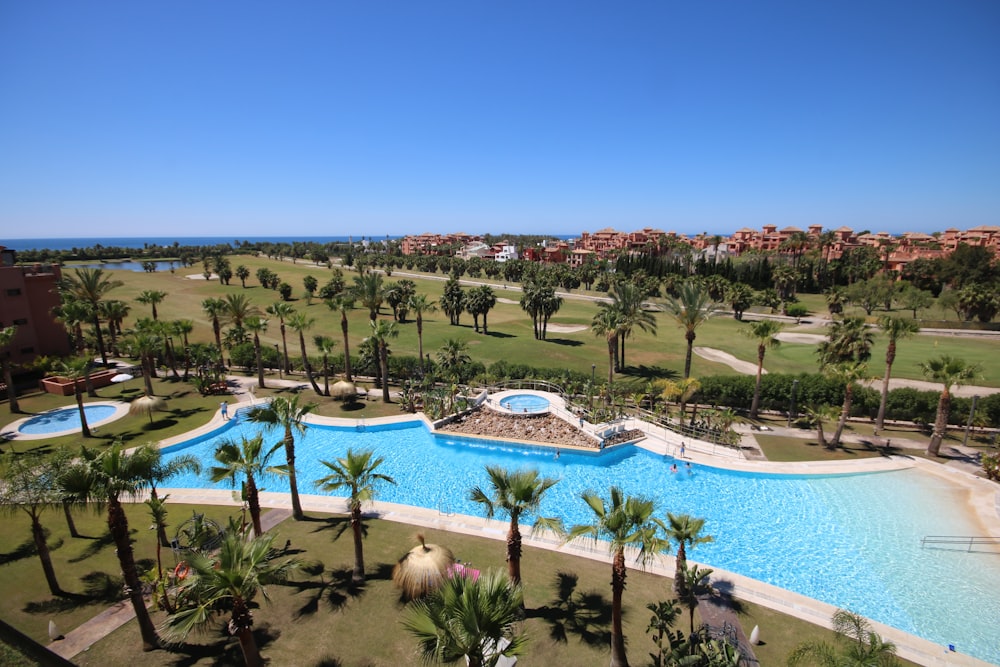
column 224, row 649
column 98, row 588
column 564, row 341
column 651, row 372
column 331, row 592
column 586, row 616
column 27, row 549
column 96, row 545
column 498, row 334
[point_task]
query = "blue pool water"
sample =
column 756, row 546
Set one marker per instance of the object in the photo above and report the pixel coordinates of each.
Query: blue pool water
column 65, row 419
column 525, row 403
column 849, row 540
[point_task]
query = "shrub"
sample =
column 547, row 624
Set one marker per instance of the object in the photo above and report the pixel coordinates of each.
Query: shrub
column 797, row 310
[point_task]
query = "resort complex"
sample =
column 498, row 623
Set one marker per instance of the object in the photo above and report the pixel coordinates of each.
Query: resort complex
column 314, row 451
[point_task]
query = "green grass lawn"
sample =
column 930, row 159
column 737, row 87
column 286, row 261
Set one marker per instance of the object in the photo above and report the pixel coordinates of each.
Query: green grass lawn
column 323, row 620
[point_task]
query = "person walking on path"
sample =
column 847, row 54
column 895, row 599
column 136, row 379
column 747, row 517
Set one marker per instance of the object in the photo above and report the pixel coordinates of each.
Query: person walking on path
column 224, row 408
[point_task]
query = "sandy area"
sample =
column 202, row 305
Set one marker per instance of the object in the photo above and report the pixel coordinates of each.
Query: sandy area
column 541, row 428
column 805, row 338
column 566, row 328
column 514, row 302
column 721, row 357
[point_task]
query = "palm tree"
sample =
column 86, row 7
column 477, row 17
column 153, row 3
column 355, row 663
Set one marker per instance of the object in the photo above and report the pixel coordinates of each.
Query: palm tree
column 145, row 343
column 230, row 580
column 111, row 476
column 849, row 373
column 183, row 328
column 242, row 273
column 818, row 415
column 606, row 324
column 72, row 314
column 325, row 345
column 114, row 311
column 369, row 290
column 358, row 473
column 949, row 371
column 690, row 309
column 896, row 329
column 246, row 459
column 696, row 585
column 513, row 494
column 257, row 325
column 300, row 323
column 75, row 369
column 382, row 331
column 420, row 304
column 282, row 310
column 624, row 522
column 765, row 332
column 216, row 310
column 29, row 485
column 90, row 286
column 7, row 335
column 849, row 339
column 681, row 391
column 685, row 530
column 452, row 356
column 469, row 617
column 237, row 308
column 626, row 299
column 343, row 303
column 857, row 644
column 290, row 415
column 151, row 297
column 159, row 472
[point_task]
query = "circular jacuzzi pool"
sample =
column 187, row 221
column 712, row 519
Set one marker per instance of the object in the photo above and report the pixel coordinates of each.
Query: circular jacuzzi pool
column 525, row 403
column 65, row 420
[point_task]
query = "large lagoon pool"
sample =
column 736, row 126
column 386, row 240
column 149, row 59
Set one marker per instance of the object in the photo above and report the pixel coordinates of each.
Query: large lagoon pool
column 849, row 540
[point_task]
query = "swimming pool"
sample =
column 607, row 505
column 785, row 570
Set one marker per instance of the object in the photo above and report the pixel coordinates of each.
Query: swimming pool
column 65, row 420
column 525, row 403
column 848, row 540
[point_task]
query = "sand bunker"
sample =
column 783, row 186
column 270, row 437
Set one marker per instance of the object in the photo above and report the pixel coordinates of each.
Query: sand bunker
column 721, row 357
column 566, row 328
column 804, row 338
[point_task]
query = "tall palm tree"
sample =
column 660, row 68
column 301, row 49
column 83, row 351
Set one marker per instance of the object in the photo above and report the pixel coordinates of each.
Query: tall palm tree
column 114, row 311
column 230, row 580
column 112, row 476
column 369, row 290
column 624, row 522
column 857, row 644
column 685, row 530
column 514, row 493
column 848, row 372
column 690, row 309
column 382, row 331
column 696, row 585
column 160, row 471
column 300, row 323
column 90, row 286
column 183, row 328
column 681, row 391
column 145, row 343
column 75, row 369
column 29, row 485
column 607, row 324
column 950, row 372
column 216, row 311
column 452, row 356
column 282, row 310
column 469, row 617
column 237, row 308
column 896, row 329
column 358, row 473
column 247, row 460
column 151, row 297
column 818, row 415
column 343, row 304
column 289, row 415
column 849, row 339
column 765, row 332
column 325, row 345
column 7, row 335
column 73, row 314
column 420, row 304
column 627, row 299
column 257, row 325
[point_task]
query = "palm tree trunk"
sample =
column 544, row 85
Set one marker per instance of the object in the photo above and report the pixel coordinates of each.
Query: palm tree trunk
column 253, row 502
column 260, row 362
column 84, row 428
column 118, row 526
column 514, row 551
column 88, row 383
column 383, row 359
column 217, row 330
column 687, row 357
column 820, row 436
column 8, row 379
column 755, row 405
column 618, row 571
column 844, row 412
column 420, row 340
column 284, row 348
column 307, row 365
column 242, row 620
column 347, row 349
column 940, row 423
column 38, row 534
column 326, row 375
column 612, row 348
column 358, row 576
column 293, row 483
column 70, row 523
column 680, row 581
column 890, row 356
column 100, row 336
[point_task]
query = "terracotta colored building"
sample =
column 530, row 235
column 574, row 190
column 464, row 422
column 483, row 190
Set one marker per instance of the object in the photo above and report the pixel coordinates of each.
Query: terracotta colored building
column 27, row 296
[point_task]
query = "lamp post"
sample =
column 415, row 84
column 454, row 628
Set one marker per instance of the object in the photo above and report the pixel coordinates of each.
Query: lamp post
column 968, row 424
column 280, row 376
column 791, row 407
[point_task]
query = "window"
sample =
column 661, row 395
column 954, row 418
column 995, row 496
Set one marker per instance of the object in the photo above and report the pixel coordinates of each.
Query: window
column 21, row 320
column 15, row 291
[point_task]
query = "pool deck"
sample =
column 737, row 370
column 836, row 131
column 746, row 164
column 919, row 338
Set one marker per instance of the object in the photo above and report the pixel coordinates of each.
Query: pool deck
column 983, row 499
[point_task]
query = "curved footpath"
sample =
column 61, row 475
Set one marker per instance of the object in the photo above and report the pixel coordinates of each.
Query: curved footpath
column 984, row 501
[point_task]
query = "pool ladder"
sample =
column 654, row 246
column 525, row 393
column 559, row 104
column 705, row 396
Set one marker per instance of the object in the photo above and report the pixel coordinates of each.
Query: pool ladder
column 961, row 540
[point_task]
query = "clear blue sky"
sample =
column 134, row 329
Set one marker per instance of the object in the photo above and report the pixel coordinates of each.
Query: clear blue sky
column 391, row 117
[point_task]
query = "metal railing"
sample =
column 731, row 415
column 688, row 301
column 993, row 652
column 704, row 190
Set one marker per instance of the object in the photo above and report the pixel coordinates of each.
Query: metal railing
column 968, row 541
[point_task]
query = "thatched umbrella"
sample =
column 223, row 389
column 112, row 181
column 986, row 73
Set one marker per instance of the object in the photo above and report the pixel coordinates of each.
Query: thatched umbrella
column 144, row 405
column 422, row 569
column 344, row 390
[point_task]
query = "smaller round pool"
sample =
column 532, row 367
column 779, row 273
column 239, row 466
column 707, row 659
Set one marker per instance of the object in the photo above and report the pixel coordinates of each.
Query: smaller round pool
column 525, row 403
column 65, row 419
